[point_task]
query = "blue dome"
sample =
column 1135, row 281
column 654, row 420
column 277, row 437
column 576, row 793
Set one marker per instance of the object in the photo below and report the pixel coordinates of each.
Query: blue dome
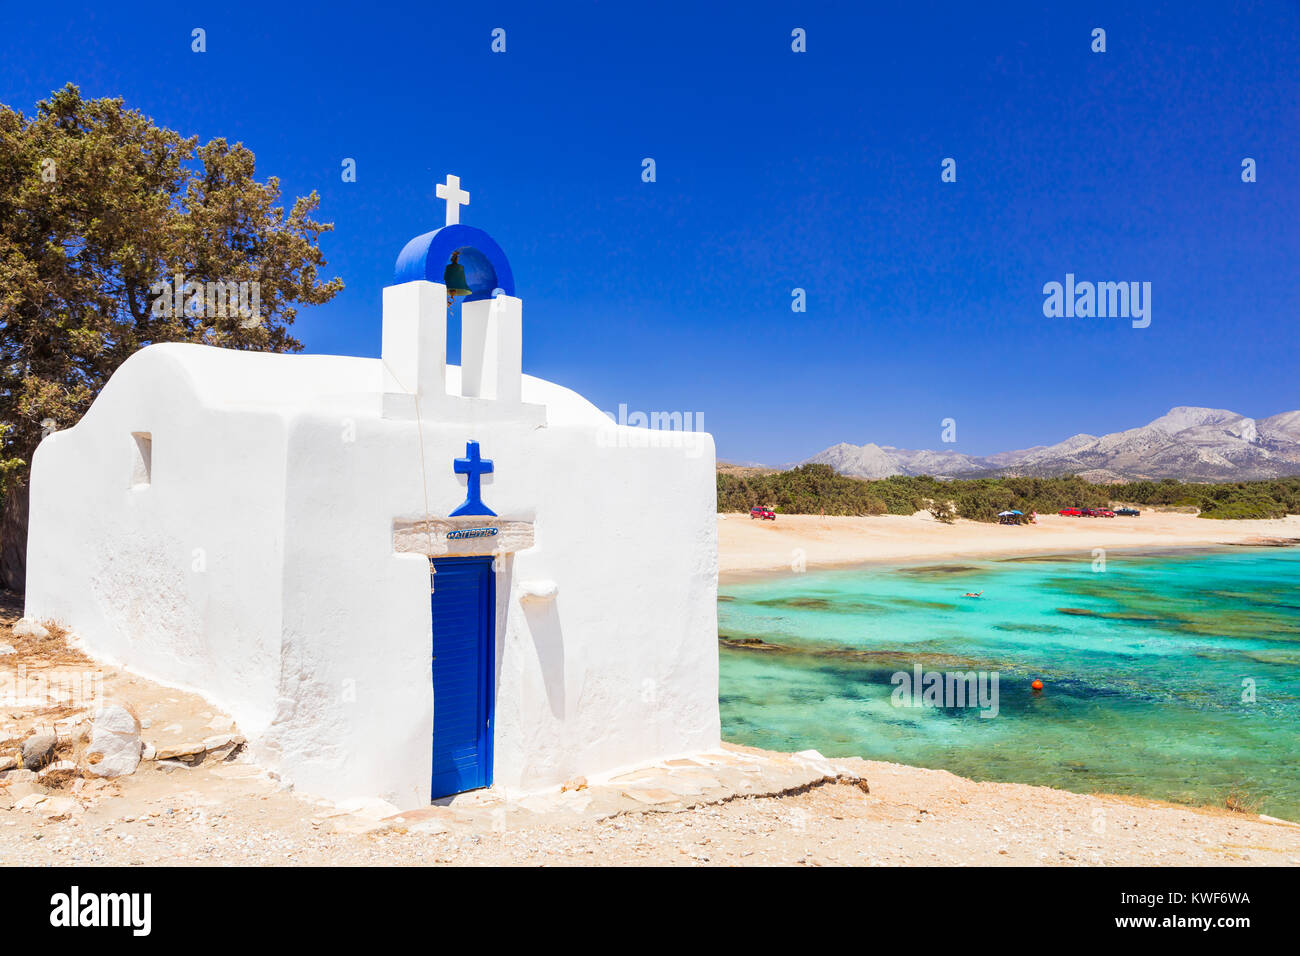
column 486, row 266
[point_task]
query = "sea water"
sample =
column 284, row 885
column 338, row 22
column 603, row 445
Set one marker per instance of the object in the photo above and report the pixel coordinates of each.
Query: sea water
column 1167, row 675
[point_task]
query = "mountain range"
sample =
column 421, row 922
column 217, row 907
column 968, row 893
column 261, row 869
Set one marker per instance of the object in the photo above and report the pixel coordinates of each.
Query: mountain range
column 1187, row 443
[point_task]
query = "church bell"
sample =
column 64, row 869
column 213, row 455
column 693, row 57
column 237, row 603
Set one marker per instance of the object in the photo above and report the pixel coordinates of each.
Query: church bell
column 453, row 277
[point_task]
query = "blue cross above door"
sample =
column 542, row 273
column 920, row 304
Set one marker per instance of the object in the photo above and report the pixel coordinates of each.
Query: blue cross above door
column 475, row 467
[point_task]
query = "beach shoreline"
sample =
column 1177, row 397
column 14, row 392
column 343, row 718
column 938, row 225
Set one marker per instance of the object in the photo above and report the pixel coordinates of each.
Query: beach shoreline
column 749, row 548
column 233, row 812
column 753, row 551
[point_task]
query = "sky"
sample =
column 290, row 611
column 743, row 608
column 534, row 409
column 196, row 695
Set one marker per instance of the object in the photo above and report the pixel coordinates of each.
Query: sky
column 777, row 170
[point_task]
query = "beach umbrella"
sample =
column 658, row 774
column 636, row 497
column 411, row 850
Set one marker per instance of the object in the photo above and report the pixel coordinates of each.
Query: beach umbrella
column 1006, row 514
column 1015, row 512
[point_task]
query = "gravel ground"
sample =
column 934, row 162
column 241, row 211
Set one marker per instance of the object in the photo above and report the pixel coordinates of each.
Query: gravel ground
column 231, row 812
column 911, row 817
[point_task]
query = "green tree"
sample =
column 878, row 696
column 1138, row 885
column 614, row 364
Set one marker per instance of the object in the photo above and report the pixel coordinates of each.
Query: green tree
column 942, row 511
column 98, row 205
column 813, row 489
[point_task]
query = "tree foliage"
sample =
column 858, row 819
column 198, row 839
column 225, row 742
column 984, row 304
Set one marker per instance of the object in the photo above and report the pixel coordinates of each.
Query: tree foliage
column 817, row 489
column 98, row 204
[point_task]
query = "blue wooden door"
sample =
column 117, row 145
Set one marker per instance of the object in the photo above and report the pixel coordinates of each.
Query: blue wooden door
column 464, row 617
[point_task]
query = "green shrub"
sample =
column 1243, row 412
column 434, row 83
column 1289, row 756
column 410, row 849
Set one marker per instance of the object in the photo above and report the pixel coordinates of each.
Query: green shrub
column 1256, row 508
column 817, row 489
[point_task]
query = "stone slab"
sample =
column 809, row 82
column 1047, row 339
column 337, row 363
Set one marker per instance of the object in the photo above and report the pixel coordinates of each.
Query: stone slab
column 450, row 537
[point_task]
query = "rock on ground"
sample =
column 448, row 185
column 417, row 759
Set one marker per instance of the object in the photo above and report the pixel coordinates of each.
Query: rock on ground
column 114, row 743
column 25, row 628
column 38, row 749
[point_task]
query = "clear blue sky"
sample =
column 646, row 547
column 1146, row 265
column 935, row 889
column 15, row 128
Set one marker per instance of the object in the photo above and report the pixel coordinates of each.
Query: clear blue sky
column 775, row 170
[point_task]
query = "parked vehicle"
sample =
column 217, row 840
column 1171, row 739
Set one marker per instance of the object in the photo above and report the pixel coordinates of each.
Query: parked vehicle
column 1098, row 513
column 764, row 514
column 1071, row 512
column 1127, row 512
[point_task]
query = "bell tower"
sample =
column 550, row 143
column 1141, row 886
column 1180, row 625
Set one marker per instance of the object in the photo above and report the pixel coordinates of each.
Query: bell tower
column 432, row 270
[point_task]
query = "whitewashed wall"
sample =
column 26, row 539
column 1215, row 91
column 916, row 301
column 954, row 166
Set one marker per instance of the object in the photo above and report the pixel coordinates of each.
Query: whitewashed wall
column 180, row 580
column 308, row 628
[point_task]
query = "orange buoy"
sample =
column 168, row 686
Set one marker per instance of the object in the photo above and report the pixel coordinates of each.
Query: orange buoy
column 1037, row 685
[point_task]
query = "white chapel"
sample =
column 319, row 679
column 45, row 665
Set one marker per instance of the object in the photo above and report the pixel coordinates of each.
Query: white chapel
column 404, row 579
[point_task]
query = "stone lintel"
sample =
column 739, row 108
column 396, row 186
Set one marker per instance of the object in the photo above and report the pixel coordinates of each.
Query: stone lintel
column 469, row 535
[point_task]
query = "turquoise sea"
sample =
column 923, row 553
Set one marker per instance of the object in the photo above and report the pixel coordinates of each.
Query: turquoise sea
column 1148, row 667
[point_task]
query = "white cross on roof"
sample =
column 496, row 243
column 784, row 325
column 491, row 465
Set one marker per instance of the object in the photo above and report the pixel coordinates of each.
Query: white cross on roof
column 455, row 196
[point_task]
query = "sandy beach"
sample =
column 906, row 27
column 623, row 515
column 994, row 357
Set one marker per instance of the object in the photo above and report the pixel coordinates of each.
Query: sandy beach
column 737, row 806
column 734, row 807
column 746, row 544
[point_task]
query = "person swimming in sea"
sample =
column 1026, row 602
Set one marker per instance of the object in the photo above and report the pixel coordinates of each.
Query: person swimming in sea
column 972, row 594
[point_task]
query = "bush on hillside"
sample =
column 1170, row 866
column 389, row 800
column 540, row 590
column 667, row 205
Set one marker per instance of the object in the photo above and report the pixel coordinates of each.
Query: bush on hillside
column 817, row 489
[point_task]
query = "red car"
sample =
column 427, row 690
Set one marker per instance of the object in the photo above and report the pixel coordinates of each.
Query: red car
column 766, row 514
column 1098, row 513
column 1071, row 512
